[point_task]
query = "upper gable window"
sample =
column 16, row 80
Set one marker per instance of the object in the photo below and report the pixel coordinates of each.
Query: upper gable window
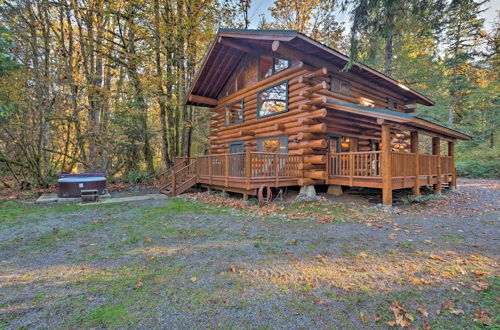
column 340, row 86
column 236, row 83
column 270, row 65
column 272, row 100
column 234, row 113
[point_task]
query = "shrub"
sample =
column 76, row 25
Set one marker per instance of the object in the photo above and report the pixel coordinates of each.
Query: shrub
column 479, row 168
column 138, row 177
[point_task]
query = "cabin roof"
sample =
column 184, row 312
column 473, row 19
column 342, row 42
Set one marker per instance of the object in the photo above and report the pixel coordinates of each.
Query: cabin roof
column 220, row 61
column 400, row 117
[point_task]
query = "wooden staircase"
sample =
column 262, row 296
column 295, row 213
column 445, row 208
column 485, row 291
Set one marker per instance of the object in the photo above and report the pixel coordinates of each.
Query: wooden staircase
column 180, row 177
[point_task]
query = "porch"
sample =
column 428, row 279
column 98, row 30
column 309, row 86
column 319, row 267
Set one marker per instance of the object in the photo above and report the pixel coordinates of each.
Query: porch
column 245, row 172
column 364, row 169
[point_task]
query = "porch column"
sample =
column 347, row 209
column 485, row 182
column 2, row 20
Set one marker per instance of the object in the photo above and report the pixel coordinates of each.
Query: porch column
column 414, row 149
column 386, row 165
column 436, row 150
column 451, row 153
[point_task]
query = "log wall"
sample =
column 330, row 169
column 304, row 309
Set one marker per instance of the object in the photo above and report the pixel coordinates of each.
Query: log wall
column 307, row 123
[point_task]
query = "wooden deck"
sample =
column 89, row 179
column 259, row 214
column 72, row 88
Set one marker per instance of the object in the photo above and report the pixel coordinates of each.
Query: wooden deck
column 245, row 172
column 364, row 169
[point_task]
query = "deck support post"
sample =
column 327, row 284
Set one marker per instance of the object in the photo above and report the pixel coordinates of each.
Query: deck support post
column 226, row 159
column 248, row 166
column 436, row 150
column 386, row 165
column 414, row 149
column 451, row 153
column 276, row 169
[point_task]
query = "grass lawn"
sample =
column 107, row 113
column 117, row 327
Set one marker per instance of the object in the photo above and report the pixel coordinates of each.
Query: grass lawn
column 182, row 263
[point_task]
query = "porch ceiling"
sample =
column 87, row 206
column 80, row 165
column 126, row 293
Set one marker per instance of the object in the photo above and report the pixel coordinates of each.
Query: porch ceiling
column 398, row 117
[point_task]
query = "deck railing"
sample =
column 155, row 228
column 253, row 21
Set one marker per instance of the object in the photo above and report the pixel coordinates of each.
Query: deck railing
column 355, row 164
column 402, row 164
column 258, row 165
column 368, row 164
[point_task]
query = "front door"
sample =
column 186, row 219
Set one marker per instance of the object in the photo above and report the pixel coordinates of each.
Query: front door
column 333, row 144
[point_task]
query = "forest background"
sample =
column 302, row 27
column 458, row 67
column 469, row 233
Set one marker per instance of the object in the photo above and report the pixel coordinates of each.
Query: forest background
column 97, row 85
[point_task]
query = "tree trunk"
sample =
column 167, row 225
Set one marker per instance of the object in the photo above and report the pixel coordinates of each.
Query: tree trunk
column 388, row 54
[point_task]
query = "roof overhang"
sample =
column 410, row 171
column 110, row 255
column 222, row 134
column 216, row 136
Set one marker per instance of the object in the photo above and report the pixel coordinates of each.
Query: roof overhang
column 398, row 117
column 230, row 45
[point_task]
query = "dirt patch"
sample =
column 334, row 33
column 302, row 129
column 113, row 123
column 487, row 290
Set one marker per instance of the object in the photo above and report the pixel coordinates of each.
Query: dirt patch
column 183, row 262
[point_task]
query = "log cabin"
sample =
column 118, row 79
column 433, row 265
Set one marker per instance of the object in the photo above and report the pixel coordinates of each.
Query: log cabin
column 285, row 113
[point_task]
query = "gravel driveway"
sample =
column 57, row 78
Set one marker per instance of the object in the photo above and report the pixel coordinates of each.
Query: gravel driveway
column 181, row 263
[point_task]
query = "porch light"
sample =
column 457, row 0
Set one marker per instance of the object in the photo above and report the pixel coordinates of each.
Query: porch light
column 403, row 87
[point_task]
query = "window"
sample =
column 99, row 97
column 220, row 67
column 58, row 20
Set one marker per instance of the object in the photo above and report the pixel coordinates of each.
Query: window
column 375, row 145
column 391, row 104
column 348, row 144
column 340, row 86
column 275, row 144
column 236, row 147
column 236, row 83
column 272, row 100
column 234, row 113
column 270, row 65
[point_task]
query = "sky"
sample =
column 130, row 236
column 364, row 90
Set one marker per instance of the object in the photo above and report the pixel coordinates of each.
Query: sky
column 260, row 7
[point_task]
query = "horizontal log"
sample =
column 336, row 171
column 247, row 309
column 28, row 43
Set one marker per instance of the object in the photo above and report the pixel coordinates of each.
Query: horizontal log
column 202, row 99
column 316, row 174
column 317, row 159
column 318, row 73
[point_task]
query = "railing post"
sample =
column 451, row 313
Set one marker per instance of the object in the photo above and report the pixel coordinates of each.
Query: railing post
column 451, row 153
column 209, row 169
column 276, row 171
column 328, row 160
column 386, row 165
column 227, row 169
column 414, row 149
column 248, row 166
column 173, row 182
column 351, row 168
column 436, row 151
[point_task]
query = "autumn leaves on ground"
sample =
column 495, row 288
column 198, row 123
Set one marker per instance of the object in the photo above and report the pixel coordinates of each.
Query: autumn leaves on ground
column 205, row 261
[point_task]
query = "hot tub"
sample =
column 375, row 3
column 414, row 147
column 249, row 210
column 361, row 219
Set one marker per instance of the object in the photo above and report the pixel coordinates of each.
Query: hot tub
column 71, row 185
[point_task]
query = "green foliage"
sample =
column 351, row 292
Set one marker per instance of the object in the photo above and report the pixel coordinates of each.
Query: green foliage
column 478, row 161
column 138, row 177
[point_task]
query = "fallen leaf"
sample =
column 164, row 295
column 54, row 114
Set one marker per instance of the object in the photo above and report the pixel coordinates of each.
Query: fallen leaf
column 232, row 269
column 479, row 272
column 424, row 312
column 456, row 311
column 482, row 316
column 90, row 298
column 193, row 279
column 393, row 236
column 410, row 317
column 362, row 316
column 448, row 305
column 415, row 280
column 438, row 311
column 391, row 323
column 480, row 286
column 148, row 240
column 138, row 285
column 426, row 327
column 376, row 317
column 436, row 257
column 450, row 253
column 404, row 323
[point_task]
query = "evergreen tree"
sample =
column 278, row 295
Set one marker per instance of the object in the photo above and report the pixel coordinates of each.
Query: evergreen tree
column 462, row 37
